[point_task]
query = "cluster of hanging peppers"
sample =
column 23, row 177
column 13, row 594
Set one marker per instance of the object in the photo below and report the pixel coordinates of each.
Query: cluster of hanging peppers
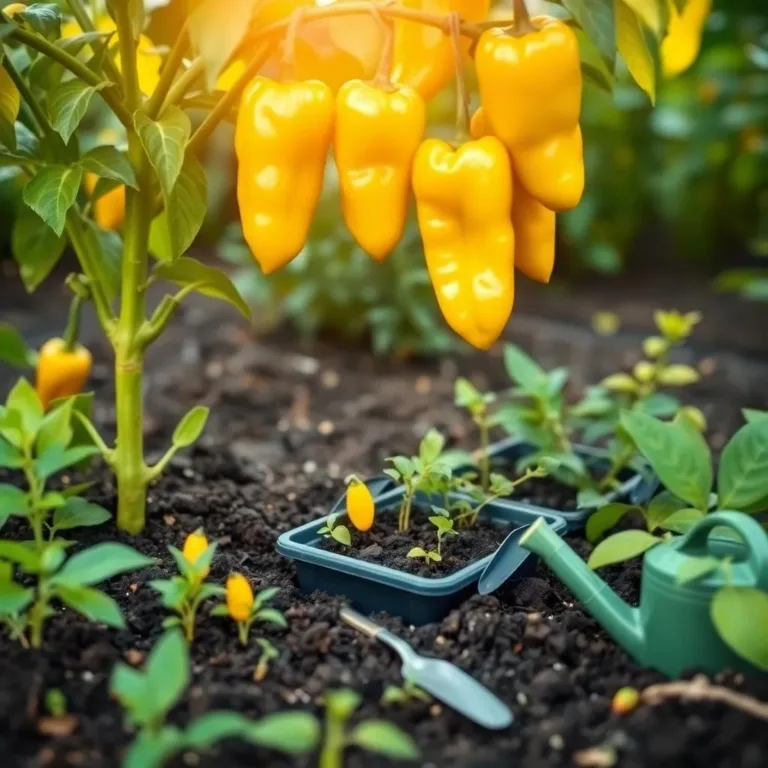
column 485, row 204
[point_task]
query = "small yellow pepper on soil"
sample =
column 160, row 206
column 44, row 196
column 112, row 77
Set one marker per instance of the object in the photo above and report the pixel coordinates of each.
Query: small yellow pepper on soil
column 239, row 597
column 360, row 505
column 625, row 700
column 530, row 87
column 463, row 200
column 534, row 223
column 378, row 131
column 194, row 546
column 282, row 139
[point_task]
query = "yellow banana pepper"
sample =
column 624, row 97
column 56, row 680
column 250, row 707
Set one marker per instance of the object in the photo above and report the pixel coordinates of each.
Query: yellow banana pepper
column 463, row 199
column 282, row 139
column 680, row 47
column 239, row 597
column 423, row 55
column 109, row 209
column 61, row 372
column 361, row 509
column 530, row 87
column 378, row 131
column 534, row 224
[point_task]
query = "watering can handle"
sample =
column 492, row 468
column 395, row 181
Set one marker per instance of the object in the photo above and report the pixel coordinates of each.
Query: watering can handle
column 754, row 536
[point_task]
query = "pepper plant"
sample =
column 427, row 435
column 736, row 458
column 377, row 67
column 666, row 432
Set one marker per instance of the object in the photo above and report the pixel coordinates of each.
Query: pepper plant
column 244, row 608
column 148, row 696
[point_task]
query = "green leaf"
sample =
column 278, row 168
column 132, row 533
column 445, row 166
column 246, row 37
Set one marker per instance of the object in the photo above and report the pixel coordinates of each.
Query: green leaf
column 620, row 547
column 79, row 513
column 24, row 400
column 109, row 163
column 342, row 703
column 101, row 562
column 129, row 687
column 167, row 671
column 15, row 552
column 52, row 192
column 106, row 249
column 634, row 49
column 36, row 249
column 68, row 103
column 682, row 520
column 10, row 100
column 13, row 501
column 13, row 349
column 341, row 534
column 206, row 730
column 742, row 477
column 660, row 508
column 175, row 229
column 696, row 568
column 44, row 18
column 524, row 370
column 14, row 598
column 56, row 458
column 290, row 732
column 164, row 141
column 605, row 519
column 752, row 414
column 10, row 456
column 466, row 394
column 740, row 615
column 93, row 604
column 172, row 591
column 272, row 616
column 153, row 749
column 596, row 18
column 430, row 446
column 207, row 280
column 678, row 455
column 385, row 738
column 190, row 428
column 56, row 429
column 653, row 13
column 11, row 428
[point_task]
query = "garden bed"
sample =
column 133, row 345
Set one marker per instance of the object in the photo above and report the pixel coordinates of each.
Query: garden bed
column 285, row 429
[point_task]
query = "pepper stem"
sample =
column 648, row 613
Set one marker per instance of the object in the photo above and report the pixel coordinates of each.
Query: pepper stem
column 288, row 61
column 522, row 18
column 462, row 98
column 72, row 331
column 382, row 77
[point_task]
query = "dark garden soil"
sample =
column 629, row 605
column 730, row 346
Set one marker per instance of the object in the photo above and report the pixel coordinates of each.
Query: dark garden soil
column 286, row 426
column 385, row 545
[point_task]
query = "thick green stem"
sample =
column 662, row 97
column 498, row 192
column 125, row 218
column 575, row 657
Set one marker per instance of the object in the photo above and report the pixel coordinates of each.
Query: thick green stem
column 332, row 755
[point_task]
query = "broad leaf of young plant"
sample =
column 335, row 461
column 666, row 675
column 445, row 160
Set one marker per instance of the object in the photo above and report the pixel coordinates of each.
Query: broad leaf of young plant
column 660, row 508
column 68, row 103
column 385, row 738
column 93, row 604
column 56, row 458
column 524, row 370
column 190, row 427
column 106, row 248
column 174, row 230
column 216, row 35
column 109, row 163
column 678, row 455
column 430, row 446
column 590, row 498
column 341, row 534
column 682, row 520
column 52, row 192
column 13, row 349
column 620, row 547
column 167, row 671
column 56, row 429
column 660, row 405
column 44, row 18
column 99, row 563
column 172, row 591
column 10, row 457
column 696, row 568
column 206, row 730
column 24, row 400
column 13, row 501
column 14, row 598
column 16, row 552
column 165, row 141
column 36, row 249
column 634, row 49
column 152, row 749
column 740, row 615
column 272, row 616
column 289, row 732
column 742, row 477
column 79, row 513
column 606, row 518
column 465, row 393
column 596, row 18
column 752, row 414
column 206, row 280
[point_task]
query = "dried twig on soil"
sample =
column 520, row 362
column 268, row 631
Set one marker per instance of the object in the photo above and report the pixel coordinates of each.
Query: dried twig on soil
column 700, row 689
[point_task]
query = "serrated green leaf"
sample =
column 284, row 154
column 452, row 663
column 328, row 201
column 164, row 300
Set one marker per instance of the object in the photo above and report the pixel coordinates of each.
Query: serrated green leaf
column 742, row 478
column 740, row 615
column 165, row 141
column 68, row 103
column 36, row 249
column 190, row 427
column 109, row 163
column 620, row 547
column 52, row 192
column 207, row 280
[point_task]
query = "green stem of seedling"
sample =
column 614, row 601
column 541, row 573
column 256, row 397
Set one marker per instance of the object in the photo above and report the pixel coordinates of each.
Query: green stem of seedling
column 16, row 630
column 37, row 614
column 243, row 630
column 35, row 493
column 404, row 521
column 332, row 754
column 485, row 459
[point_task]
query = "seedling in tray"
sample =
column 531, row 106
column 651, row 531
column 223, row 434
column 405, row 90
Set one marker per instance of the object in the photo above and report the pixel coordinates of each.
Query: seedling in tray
column 245, row 609
column 444, row 526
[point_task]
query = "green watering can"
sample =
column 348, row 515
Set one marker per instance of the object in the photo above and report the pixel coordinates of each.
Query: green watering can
column 671, row 630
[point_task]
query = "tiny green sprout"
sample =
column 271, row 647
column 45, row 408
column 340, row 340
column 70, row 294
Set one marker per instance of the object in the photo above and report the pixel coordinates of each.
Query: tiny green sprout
column 338, row 532
column 379, row 736
column 268, row 654
column 429, row 557
column 183, row 594
column 476, row 403
column 24, row 609
column 41, row 445
column 401, row 695
column 55, row 703
column 148, row 696
column 444, row 526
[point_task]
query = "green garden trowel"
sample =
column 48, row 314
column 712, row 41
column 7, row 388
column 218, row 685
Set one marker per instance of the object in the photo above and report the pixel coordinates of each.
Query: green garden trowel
column 672, row 629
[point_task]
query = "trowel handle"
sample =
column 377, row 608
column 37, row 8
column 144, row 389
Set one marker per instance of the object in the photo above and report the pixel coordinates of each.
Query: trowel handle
column 359, row 622
column 754, row 537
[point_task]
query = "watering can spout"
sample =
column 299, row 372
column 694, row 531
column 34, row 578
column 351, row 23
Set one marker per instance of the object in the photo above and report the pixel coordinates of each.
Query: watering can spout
column 620, row 620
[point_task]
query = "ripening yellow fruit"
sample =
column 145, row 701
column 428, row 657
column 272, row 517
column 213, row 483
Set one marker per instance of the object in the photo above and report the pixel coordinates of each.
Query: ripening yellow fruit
column 360, row 506
column 239, row 597
column 194, row 546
